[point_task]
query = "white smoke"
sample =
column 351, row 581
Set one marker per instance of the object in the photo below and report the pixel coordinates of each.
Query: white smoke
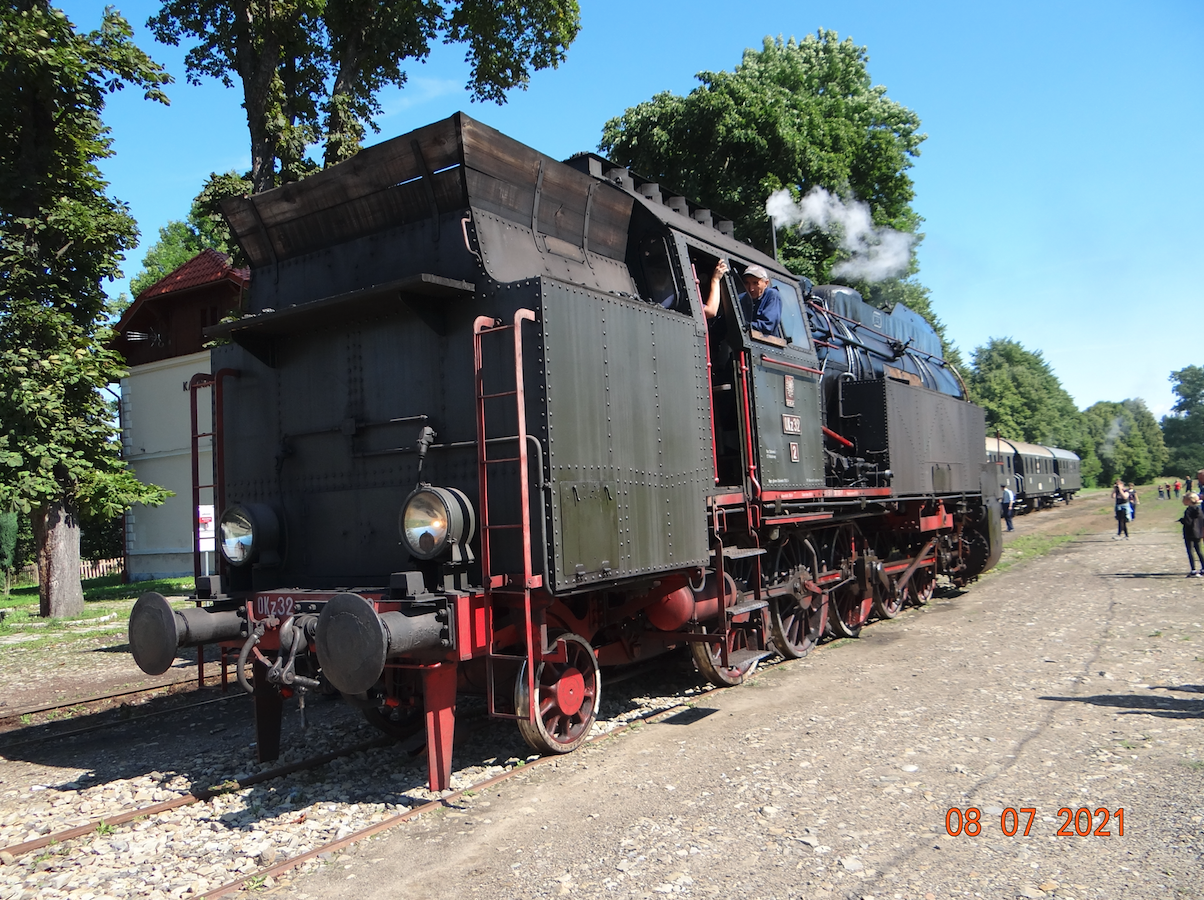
column 1108, row 447
column 877, row 253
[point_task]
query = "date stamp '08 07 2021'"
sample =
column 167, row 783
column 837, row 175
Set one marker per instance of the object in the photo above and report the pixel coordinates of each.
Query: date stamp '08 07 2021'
column 1081, row 822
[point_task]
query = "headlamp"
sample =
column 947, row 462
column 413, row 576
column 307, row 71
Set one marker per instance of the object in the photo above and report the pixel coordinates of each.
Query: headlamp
column 248, row 532
column 434, row 520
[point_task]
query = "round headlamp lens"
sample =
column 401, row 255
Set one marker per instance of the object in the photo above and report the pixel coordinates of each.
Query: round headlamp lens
column 424, row 524
column 237, row 536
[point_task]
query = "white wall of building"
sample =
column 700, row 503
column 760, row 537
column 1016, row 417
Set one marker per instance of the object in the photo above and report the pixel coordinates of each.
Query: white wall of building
column 156, row 432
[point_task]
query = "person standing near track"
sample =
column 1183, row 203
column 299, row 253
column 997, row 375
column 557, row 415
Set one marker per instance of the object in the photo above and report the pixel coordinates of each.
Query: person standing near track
column 1009, row 501
column 1120, row 499
column 1193, row 529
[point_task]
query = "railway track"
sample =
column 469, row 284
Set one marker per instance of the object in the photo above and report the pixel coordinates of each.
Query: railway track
column 288, row 865
column 57, row 734
column 64, row 849
column 198, row 796
column 102, row 701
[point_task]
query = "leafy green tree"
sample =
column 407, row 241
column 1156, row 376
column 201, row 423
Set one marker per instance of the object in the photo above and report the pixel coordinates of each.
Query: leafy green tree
column 1151, row 436
column 795, row 115
column 205, row 216
column 8, row 545
column 60, row 237
column 1119, row 441
column 1022, row 396
column 311, row 70
column 177, row 244
column 179, row 241
column 1025, row 401
column 1183, row 429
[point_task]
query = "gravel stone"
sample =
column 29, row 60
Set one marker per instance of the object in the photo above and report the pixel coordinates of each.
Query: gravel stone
column 1042, row 687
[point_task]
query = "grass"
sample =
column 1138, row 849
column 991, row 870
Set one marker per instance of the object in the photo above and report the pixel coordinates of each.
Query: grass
column 106, row 603
column 106, row 587
column 1029, row 546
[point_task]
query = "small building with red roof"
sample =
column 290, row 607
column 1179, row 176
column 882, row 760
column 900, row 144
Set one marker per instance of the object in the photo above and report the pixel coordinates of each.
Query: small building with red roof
column 161, row 337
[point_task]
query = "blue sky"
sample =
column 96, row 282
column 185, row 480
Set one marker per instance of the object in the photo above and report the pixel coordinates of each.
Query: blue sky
column 1061, row 181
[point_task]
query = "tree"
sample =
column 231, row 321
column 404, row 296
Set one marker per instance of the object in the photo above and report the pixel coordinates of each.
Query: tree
column 1119, row 442
column 795, row 115
column 1022, row 396
column 60, row 236
column 1151, row 436
column 1025, row 401
column 9, row 524
column 1183, row 429
column 177, row 244
column 206, row 228
column 311, row 70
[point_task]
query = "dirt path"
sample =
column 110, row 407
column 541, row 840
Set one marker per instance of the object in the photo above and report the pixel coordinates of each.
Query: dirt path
column 1074, row 681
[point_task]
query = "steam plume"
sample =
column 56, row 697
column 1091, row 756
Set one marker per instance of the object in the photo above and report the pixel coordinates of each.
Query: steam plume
column 877, row 253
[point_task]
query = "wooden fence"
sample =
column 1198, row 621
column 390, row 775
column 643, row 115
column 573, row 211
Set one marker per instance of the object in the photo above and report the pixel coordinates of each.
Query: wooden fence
column 88, row 568
column 94, row 568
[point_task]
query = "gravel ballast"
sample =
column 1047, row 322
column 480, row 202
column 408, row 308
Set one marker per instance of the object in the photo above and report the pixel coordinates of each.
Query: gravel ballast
column 1074, row 681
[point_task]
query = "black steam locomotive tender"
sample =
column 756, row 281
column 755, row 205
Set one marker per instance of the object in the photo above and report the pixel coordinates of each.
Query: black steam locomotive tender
column 476, row 434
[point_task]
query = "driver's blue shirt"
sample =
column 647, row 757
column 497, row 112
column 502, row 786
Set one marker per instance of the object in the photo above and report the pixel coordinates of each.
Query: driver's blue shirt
column 766, row 315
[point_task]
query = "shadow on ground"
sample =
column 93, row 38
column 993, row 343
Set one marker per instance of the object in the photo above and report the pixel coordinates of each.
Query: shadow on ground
column 1141, row 704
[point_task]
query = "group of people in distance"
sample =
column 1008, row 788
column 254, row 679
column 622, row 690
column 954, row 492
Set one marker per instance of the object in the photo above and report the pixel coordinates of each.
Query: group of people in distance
column 1125, row 499
column 1164, row 490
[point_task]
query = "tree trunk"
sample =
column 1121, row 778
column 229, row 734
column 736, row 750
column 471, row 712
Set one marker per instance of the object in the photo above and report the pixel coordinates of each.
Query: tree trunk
column 56, row 530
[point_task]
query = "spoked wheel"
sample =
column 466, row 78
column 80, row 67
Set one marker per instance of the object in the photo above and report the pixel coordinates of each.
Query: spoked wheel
column 888, row 601
column 798, row 619
column 568, row 695
column 887, row 604
column 844, row 604
column 920, row 586
column 707, row 658
column 844, row 616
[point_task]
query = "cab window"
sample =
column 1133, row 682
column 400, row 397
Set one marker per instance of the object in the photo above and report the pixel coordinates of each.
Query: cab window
column 655, row 279
column 794, row 323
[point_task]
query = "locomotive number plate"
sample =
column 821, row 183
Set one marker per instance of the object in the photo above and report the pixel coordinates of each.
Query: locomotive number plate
column 274, row 605
column 792, row 425
column 794, row 451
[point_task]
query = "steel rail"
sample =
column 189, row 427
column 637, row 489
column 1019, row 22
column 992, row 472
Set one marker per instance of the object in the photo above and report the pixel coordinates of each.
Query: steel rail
column 35, row 710
column 8, row 745
column 194, row 797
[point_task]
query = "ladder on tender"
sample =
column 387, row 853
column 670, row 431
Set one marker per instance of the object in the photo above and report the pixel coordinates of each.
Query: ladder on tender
column 510, row 590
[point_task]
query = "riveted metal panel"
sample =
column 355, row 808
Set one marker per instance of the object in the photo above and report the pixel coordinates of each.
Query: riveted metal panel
column 626, row 408
column 312, row 437
column 786, row 396
column 931, row 442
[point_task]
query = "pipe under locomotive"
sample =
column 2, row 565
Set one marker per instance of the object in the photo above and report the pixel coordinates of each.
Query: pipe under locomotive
column 476, row 434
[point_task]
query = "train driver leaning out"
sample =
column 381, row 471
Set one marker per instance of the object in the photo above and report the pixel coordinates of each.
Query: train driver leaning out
column 761, row 303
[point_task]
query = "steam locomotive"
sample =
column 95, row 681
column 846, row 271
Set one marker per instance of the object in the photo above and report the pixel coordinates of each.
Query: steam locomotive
column 476, row 434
